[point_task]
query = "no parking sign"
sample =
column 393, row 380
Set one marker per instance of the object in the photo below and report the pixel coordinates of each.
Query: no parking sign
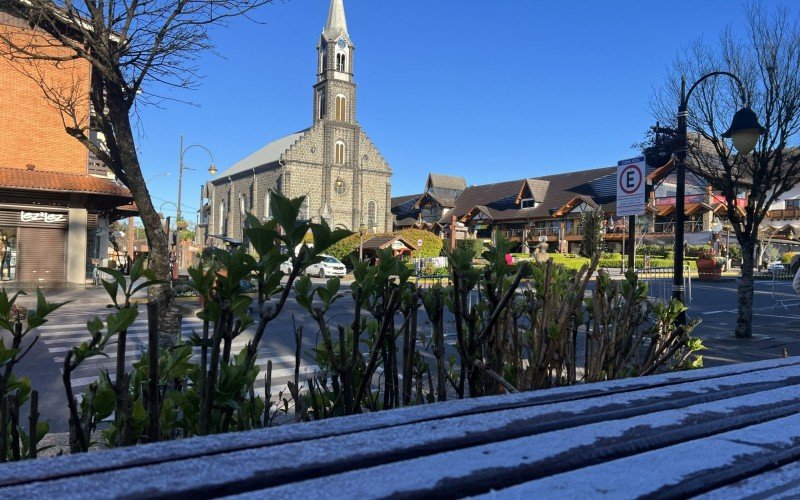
column 630, row 186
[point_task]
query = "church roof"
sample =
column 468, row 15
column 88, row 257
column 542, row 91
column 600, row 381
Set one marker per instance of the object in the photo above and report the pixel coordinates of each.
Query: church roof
column 270, row 153
column 337, row 22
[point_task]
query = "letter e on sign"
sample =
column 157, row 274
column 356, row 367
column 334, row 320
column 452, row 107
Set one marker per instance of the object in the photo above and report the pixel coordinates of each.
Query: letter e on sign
column 630, row 186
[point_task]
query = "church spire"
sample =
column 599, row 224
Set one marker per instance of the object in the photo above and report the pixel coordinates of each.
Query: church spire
column 337, row 23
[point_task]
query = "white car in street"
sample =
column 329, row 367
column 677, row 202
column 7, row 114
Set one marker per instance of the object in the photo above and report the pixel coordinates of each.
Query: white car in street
column 330, row 266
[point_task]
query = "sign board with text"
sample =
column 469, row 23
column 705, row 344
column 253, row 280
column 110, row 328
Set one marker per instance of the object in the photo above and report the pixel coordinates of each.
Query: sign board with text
column 630, row 186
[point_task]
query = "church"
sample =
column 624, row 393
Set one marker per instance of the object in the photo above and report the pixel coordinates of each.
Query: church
column 333, row 165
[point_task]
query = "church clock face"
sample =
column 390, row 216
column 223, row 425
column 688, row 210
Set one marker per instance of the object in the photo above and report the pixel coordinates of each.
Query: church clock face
column 342, row 43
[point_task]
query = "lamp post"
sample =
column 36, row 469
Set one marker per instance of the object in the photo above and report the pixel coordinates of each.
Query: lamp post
column 361, row 230
column 744, row 132
column 211, row 170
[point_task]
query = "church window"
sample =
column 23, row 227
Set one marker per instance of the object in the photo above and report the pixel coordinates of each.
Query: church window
column 323, row 104
column 339, row 153
column 372, row 216
column 341, row 62
column 267, row 213
column 223, row 219
column 242, row 205
column 304, row 213
column 341, row 108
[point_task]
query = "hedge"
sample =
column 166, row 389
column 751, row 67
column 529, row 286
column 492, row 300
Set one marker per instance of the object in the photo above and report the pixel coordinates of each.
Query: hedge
column 639, row 262
column 476, row 246
column 431, row 244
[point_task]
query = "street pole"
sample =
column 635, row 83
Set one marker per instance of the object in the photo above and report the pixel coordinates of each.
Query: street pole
column 632, row 241
column 680, row 208
column 178, row 253
column 744, row 132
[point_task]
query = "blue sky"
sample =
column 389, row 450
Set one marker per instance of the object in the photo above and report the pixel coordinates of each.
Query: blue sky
column 491, row 90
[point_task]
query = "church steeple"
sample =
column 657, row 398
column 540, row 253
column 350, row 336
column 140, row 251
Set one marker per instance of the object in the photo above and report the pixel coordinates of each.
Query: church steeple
column 336, row 26
column 335, row 92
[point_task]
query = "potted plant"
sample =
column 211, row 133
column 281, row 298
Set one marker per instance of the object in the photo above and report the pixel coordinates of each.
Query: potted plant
column 709, row 268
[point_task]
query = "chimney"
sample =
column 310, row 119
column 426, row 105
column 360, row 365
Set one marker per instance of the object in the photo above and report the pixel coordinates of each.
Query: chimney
column 30, row 167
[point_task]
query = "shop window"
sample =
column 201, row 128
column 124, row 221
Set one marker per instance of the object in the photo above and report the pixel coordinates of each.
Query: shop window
column 8, row 254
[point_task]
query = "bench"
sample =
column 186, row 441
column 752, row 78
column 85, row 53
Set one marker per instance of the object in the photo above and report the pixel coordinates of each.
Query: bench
column 721, row 432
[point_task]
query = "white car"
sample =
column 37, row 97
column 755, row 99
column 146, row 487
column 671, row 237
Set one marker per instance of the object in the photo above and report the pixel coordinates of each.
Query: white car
column 330, row 266
column 286, row 267
column 776, row 267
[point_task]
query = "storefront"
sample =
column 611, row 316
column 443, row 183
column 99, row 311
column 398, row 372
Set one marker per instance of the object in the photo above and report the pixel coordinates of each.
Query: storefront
column 33, row 245
column 52, row 225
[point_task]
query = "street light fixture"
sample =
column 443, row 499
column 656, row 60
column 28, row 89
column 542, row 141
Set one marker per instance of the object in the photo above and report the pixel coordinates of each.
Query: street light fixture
column 744, row 132
column 211, row 169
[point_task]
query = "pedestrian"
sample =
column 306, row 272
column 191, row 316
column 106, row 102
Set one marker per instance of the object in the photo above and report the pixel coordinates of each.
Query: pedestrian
column 509, row 259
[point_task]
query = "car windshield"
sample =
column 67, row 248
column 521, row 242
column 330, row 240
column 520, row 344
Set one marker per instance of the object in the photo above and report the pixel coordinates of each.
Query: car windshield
column 331, row 260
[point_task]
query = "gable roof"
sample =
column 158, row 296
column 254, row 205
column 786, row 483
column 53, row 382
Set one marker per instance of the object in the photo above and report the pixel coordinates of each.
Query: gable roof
column 441, row 181
column 536, row 187
column 270, row 153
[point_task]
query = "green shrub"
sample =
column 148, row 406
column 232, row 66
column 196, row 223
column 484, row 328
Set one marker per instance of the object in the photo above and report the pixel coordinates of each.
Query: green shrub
column 570, row 261
column 476, row 246
column 344, row 248
column 786, row 258
column 431, row 244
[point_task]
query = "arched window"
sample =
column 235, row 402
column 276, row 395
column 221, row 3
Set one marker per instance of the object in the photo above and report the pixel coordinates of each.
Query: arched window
column 323, row 104
column 341, row 62
column 223, row 219
column 304, row 212
column 242, row 205
column 267, row 212
column 341, row 108
column 372, row 216
column 339, row 153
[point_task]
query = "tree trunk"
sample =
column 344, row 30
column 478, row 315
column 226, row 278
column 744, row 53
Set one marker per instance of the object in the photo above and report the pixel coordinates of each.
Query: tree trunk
column 744, row 320
column 157, row 241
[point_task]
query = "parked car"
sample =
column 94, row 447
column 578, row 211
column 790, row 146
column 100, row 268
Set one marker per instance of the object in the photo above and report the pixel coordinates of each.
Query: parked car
column 330, row 266
column 776, row 267
column 286, row 267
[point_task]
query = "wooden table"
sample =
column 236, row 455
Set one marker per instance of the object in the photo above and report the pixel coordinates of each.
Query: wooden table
column 723, row 432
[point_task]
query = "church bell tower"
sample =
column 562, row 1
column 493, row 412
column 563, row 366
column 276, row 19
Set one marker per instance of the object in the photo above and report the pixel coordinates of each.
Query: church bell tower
column 335, row 92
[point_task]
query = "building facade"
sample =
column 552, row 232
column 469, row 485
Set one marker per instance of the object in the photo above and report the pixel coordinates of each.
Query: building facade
column 54, row 213
column 333, row 165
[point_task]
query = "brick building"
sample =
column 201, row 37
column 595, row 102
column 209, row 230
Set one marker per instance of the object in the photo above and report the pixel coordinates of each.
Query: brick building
column 333, row 164
column 56, row 202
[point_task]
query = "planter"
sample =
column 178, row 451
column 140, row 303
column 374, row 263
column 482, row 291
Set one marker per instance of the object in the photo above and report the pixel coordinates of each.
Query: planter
column 708, row 270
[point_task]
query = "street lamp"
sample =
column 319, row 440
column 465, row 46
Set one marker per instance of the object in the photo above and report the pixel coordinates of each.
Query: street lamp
column 744, row 132
column 211, row 169
column 361, row 230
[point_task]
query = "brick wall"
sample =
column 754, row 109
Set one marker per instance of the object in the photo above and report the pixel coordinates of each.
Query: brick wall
column 33, row 131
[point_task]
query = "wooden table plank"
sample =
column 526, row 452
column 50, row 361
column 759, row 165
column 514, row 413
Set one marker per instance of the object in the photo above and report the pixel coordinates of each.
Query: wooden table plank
column 677, row 471
column 475, row 470
column 95, row 462
column 263, row 466
column 783, row 482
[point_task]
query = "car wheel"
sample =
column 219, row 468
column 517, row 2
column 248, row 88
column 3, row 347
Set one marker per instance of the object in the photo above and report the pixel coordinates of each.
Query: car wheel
column 322, row 273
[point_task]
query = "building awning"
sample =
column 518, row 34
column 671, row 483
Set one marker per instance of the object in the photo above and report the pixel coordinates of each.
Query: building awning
column 42, row 180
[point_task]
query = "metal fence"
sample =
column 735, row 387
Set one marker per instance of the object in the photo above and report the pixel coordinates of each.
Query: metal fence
column 660, row 283
column 783, row 294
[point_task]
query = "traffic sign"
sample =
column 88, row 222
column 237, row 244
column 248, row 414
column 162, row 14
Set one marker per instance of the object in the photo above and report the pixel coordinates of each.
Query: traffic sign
column 630, row 186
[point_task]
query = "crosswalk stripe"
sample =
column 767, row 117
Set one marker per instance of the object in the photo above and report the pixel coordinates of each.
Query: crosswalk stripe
column 82, row 326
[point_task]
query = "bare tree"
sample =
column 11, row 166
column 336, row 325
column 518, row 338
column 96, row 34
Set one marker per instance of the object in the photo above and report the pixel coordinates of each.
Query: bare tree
column 767, row 61
column 137, row 52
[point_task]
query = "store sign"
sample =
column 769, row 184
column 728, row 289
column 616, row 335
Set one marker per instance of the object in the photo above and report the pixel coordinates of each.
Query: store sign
column 398, row 245
column 46, row 217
